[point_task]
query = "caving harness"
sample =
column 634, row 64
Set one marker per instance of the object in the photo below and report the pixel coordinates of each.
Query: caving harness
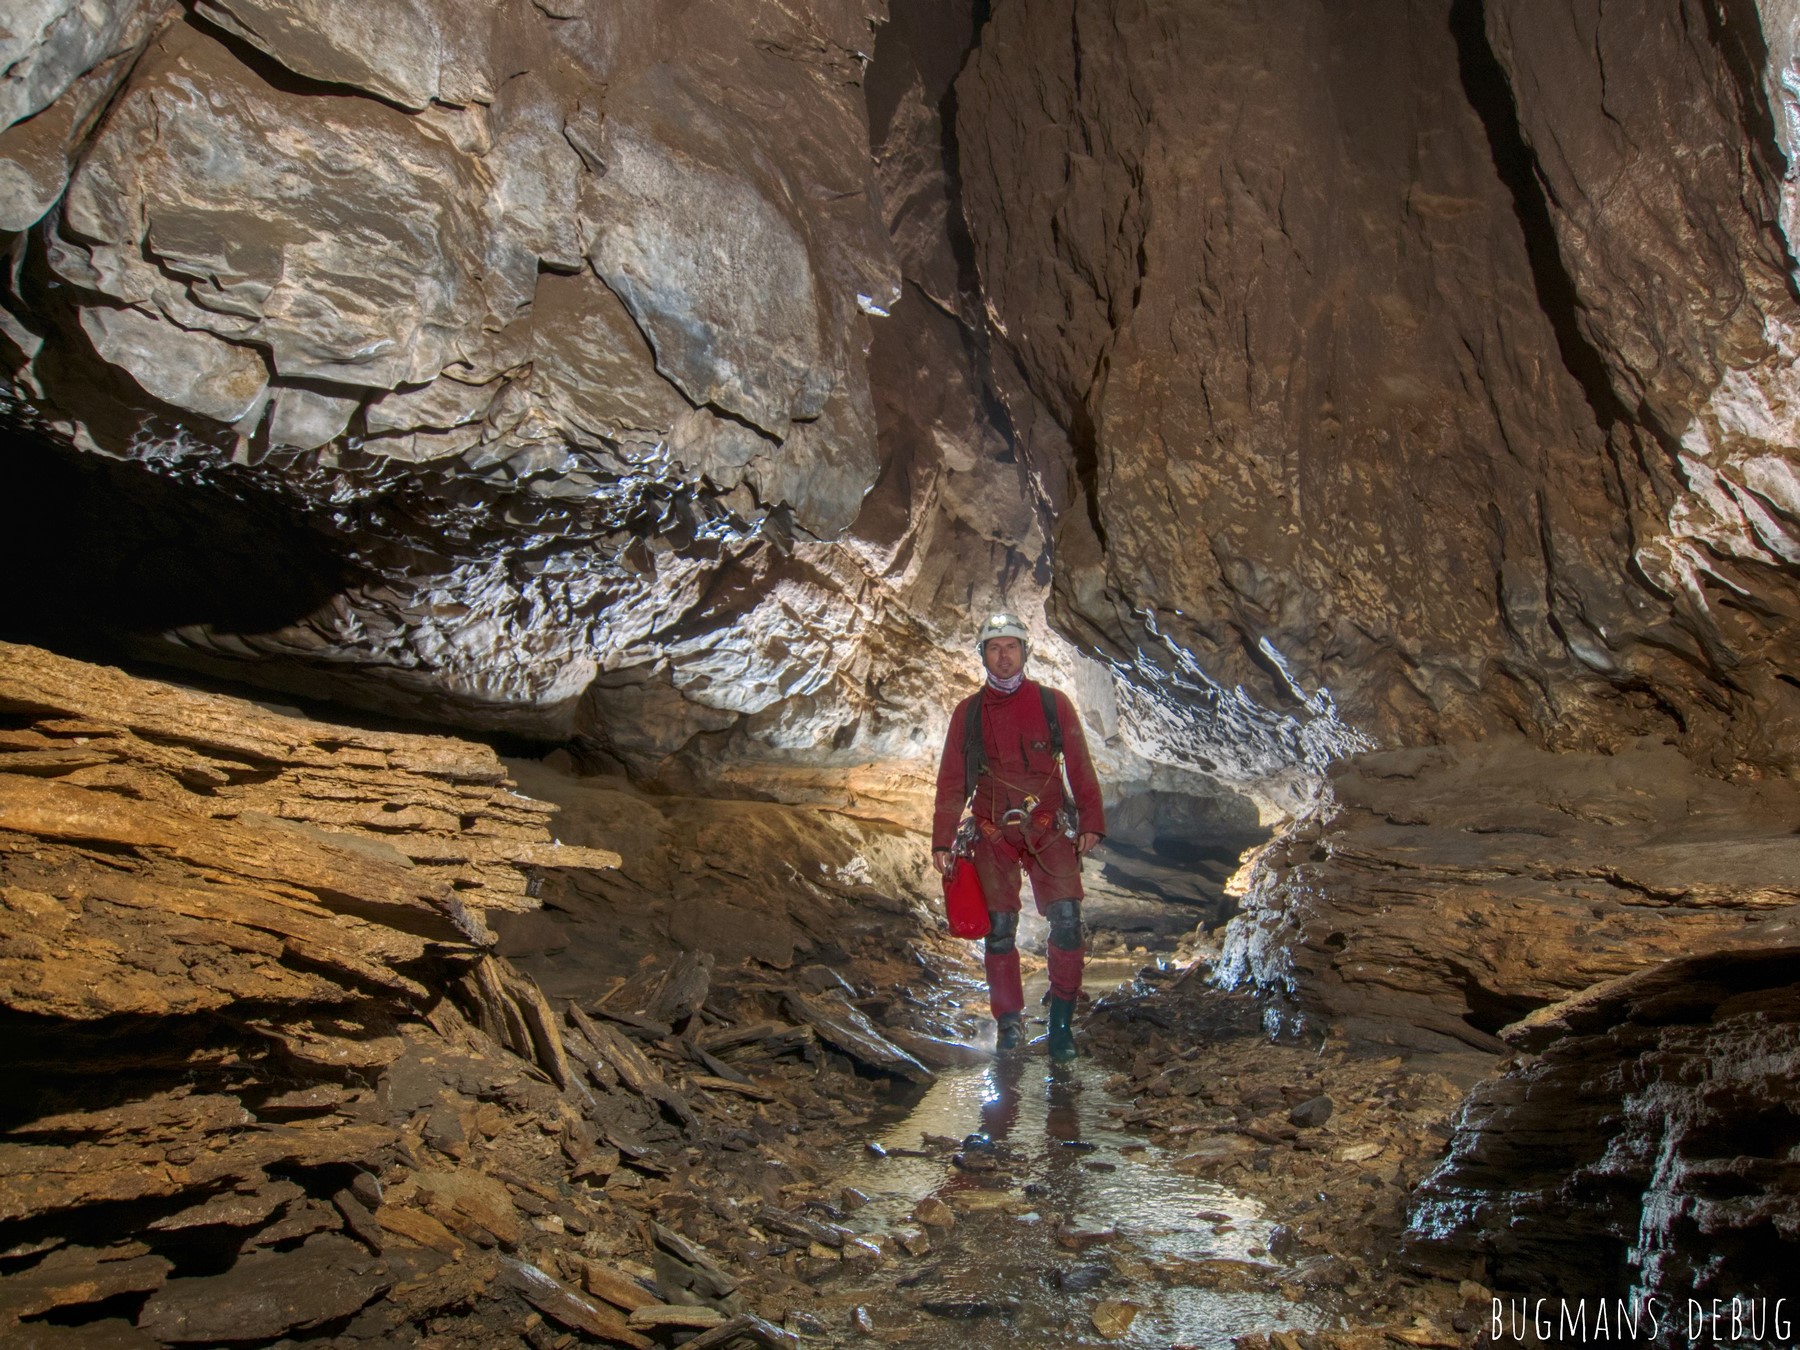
column 975, row 764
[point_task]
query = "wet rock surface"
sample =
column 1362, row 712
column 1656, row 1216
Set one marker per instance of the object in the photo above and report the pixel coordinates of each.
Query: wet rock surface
column 1446, row 893
column 361, row 1124
column 568, row 373
column 1160, row 1191
column 1642, row 1140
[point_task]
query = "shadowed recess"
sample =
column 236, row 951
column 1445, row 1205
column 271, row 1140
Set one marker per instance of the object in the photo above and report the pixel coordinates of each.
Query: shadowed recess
column 110, row 547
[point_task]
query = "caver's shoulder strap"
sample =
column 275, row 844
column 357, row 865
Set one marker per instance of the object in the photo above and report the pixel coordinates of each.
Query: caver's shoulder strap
column 974, row 754
column 1050, row 717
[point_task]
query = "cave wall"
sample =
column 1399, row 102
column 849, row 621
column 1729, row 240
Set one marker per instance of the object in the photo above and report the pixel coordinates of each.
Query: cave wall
column 1394, row 366
column 630, row 380
column 536, row 313
column 686, row 377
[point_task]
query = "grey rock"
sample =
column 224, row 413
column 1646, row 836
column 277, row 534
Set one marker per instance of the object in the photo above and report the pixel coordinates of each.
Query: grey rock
column 189, row 368
column 709, row 262
column 1645, row 1138
column 309, row 418
column 36, row 154
column 347, row 244
column 1311, row 1113
column 411, row 52
column 47, row 45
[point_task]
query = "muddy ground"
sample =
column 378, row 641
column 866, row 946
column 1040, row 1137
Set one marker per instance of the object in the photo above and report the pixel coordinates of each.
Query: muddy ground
column 1189, row 1182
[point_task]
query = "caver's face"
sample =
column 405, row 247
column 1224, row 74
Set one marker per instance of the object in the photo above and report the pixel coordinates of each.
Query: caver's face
column 1004, row 657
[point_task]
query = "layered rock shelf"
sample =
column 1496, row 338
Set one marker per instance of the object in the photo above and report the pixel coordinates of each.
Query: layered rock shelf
column 1444, row 894
column 1641, row 1156
column 270, row 1078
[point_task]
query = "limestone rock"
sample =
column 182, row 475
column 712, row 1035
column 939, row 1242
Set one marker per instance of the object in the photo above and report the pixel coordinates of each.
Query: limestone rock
column 224, row 925
column 1620, row 1154
column 1239, row 312
column 49, row 44
column 407, row 51
column 1455, row 890
column 321, row 295
column 198, row 147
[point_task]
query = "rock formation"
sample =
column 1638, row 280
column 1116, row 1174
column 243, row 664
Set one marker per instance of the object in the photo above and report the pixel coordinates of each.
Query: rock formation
column 554, row 337
column 269, row 1078
column 527, row 286
column 1641, row 1155
column 1380, row 366
column 1458, row 888
column 562, row 344
column 220, row 930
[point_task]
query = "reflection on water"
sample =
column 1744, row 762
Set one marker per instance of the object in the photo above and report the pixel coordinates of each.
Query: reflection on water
column 1057, row 1208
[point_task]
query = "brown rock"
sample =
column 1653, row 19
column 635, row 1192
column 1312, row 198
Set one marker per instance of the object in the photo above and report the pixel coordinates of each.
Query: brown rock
column 266, row 1294
column 1542, row 873
column 563, row 1305
column 1630, row 1122
column 615, row 1288
column 934, row 1213
column 417, row 1227
column 71, row 1276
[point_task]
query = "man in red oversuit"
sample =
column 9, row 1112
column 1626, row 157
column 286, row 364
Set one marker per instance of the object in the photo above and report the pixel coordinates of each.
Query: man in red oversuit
column 1029, row 817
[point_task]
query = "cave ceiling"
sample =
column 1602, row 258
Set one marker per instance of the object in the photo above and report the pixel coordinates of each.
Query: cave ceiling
column 687, row 378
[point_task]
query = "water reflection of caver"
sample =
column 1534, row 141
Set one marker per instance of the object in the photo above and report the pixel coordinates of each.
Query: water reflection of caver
column 1000, row 1109
column 1062, row 1122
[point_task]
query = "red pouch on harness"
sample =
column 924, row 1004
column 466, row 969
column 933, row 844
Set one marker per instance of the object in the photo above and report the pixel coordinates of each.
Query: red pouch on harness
column 964, row 904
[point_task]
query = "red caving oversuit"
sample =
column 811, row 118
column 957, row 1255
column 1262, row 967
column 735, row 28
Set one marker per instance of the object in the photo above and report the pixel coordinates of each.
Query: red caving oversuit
column 1014, row 837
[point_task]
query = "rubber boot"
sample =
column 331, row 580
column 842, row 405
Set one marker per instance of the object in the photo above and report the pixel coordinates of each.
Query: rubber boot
column 1062, row 1037
column 1010, row 1031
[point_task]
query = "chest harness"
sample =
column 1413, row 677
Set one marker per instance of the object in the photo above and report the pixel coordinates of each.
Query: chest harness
column 975, row 764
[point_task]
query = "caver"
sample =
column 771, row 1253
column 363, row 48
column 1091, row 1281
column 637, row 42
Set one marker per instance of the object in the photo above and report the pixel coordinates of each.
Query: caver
column 1016, row 760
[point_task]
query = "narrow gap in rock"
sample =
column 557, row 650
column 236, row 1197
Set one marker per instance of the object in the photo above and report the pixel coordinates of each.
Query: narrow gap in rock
column 1490, row 94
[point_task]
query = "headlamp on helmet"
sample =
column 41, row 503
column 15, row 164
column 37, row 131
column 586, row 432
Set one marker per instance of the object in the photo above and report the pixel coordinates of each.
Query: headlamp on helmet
column 1003, row 625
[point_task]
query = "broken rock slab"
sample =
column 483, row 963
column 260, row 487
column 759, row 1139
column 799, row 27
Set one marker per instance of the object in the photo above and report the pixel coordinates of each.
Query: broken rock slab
column 852, row 1032
column 267, row 1294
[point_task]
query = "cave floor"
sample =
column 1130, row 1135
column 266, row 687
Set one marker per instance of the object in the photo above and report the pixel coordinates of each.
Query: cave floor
column 1155, row 1193
column 655, row 1128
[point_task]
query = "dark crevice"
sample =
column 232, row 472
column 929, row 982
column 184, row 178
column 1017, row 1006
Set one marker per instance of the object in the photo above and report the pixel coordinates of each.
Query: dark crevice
column 109, row 547
column 1084, row 441
column 1490, row 94
column 962, row 243
column 286, row 79
column 933, row 40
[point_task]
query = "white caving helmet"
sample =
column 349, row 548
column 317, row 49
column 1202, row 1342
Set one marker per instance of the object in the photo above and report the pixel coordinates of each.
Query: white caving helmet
column 1003, row 624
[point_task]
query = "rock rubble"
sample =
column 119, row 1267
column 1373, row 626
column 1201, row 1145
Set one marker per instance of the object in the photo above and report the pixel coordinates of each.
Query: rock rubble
column 272, row 1079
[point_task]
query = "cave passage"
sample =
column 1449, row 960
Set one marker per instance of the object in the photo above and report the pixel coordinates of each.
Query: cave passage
column 114, row 549
column 1382, row 421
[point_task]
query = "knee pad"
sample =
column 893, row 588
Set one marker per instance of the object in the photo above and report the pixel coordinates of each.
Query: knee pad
column 1003, row 932
column 1065, row 924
